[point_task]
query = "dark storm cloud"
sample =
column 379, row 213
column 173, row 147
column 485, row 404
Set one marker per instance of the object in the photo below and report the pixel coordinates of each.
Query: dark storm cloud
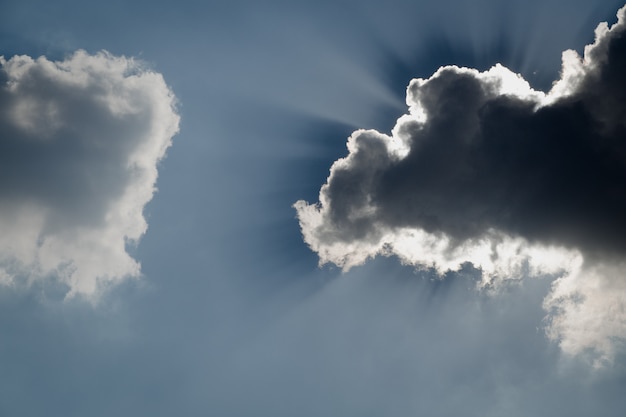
column 79, row 144
column 485, row 160
column 487, row 170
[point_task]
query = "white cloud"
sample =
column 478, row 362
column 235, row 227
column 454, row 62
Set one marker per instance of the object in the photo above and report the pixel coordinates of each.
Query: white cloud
column 80, row 143
column 486, row 170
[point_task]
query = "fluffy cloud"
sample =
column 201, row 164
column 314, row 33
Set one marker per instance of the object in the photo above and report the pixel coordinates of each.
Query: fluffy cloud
column 80, row 141
column 486, row 170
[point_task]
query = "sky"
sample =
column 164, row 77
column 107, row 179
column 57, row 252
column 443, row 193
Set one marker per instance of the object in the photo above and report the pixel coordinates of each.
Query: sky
column 343, row 208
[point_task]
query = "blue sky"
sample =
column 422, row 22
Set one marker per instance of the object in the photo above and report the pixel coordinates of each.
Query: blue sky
column 231, row 314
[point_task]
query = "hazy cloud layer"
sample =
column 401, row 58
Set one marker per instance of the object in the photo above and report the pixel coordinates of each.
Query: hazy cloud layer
column 487, row 170
column 80, row 140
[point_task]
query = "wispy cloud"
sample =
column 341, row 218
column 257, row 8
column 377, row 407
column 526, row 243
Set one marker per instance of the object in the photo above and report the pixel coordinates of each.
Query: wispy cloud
column 518, row 182
column 80, row 141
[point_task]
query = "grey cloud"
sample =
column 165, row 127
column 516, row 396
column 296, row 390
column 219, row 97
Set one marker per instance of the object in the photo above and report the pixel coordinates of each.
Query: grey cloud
column 484, row 162
column 80, row 143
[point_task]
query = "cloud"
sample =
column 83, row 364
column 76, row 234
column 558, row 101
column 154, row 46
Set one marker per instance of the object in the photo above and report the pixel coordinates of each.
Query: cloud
column 485, row 170
column 80, row 141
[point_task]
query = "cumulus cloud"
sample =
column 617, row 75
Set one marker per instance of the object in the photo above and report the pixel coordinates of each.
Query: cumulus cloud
column 80, row 140
column 518, row 182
